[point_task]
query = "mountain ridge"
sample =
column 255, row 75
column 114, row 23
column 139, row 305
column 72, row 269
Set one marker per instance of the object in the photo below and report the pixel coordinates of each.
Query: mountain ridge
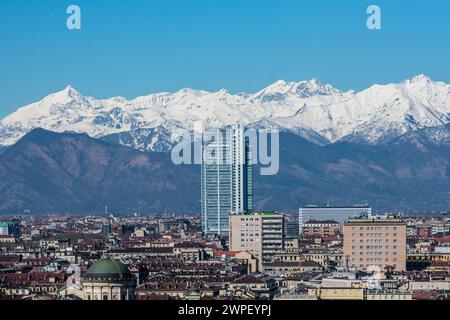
column 310, row 109
column 73, row 173
column 50, row 172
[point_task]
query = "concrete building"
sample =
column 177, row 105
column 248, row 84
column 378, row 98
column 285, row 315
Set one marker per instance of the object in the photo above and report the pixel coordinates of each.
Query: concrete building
column 108, row 280
column 338, row 214
column 260, row 233
column 321, row 228
column 226, row 178
column 375, row 241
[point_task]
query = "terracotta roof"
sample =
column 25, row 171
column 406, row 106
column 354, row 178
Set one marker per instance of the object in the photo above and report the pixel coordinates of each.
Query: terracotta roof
column 219, row 253
column 444, row 239
column 426, row 295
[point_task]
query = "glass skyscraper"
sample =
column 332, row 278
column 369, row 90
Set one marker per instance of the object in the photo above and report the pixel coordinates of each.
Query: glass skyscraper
column 227, row 178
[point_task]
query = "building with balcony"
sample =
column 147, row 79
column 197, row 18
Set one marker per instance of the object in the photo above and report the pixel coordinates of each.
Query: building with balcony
column 260, row 233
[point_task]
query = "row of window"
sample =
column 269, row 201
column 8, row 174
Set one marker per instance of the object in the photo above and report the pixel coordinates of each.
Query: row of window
column 374, row 235
column 370, row 265
column 374, row 253
column 374, row 259
column 374, row 247
column 375, row 240
column 374, row 228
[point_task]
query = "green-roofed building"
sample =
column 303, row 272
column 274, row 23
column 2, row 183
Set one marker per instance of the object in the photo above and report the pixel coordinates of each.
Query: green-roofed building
column 108, row 279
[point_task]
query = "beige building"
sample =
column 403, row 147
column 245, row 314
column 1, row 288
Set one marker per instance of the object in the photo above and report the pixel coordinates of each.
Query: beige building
column 321, row 228
column 375, row 241
column 260, row 233
column 249, row 258
column 337, row 293
column 7, row 239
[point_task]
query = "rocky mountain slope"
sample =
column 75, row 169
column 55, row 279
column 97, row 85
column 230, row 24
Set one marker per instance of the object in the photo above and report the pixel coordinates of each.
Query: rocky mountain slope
column 73, row 173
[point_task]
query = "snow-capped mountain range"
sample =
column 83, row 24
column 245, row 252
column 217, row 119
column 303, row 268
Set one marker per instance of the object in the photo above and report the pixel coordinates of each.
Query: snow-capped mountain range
column 316, row 111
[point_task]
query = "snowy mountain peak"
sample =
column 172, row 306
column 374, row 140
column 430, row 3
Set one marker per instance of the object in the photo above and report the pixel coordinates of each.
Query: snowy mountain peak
column 66, row 95
column 280, row 90
column 309, row 108
column 291, row 87
column 420, row 78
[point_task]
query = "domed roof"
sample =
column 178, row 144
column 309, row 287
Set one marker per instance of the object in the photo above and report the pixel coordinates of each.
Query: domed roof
column 108, row 269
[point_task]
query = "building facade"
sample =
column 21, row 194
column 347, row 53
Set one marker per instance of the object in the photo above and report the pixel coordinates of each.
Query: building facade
column 9, row 229
column 338, row 214
column 226, row 178
column 108, row 280
column 375, row 241
column 321, row 228
column 260, row 233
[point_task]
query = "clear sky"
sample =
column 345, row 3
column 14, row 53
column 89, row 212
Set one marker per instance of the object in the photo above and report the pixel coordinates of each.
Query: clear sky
column 136, row 47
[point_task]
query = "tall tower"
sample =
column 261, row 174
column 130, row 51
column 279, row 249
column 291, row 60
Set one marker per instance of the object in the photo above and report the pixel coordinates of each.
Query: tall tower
column 227, row 178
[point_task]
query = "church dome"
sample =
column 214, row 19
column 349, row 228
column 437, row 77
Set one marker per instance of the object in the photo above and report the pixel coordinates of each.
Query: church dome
column 108, row 269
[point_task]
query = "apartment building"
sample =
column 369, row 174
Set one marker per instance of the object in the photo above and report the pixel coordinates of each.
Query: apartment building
column 375, row 241
column 260, row 233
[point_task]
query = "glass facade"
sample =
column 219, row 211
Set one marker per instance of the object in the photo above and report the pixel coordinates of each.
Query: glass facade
column 226, row 178
column 338, row 214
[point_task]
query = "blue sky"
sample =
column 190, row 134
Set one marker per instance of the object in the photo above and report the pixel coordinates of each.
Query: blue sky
column 136, row 47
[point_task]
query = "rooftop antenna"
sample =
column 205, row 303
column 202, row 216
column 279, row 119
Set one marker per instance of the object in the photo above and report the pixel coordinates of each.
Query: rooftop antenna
column 106, row 210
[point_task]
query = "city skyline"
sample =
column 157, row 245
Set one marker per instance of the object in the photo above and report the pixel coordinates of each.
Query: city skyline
column 224, row 158
column 143, row 257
